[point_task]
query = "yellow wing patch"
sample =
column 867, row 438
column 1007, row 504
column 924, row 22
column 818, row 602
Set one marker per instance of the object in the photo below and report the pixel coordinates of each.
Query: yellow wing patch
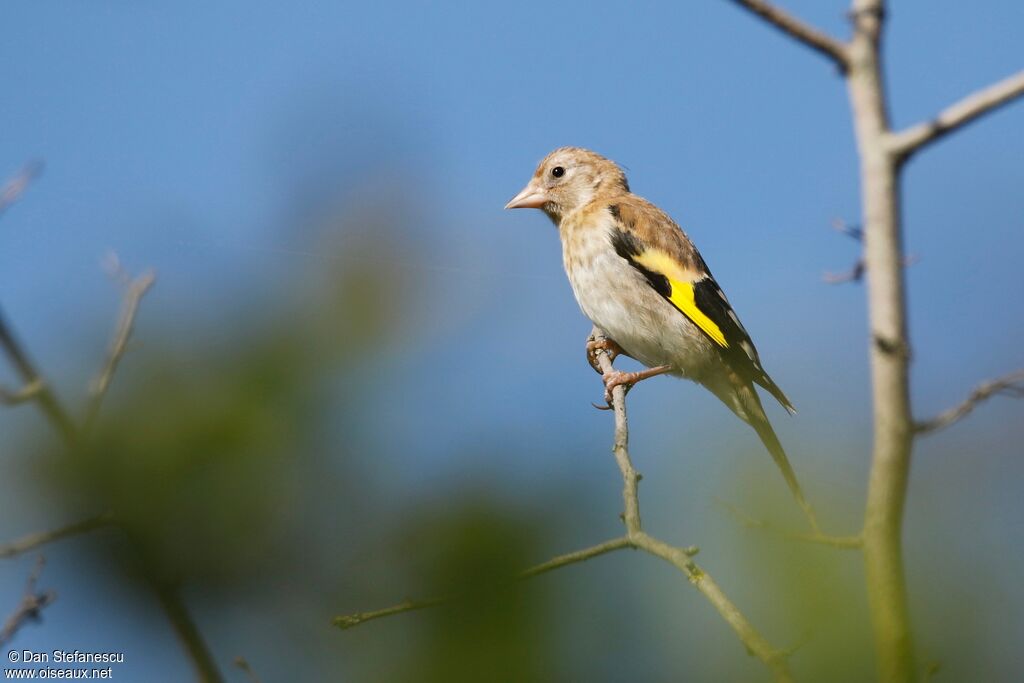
column 682, row 298
column 681, row 279
column 660, row 262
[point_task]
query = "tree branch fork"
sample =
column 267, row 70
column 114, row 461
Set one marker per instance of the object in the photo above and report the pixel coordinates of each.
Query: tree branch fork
column 901, row 144
column 634, row 538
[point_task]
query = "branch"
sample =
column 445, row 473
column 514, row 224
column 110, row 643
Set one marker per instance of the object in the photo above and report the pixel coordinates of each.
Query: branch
column 860, row 266
column 134, row 291
column 636, row 537
column 18, row 184
column 43, row 395
column 172, row 604
column 813, row 38
column 1007, row 385
column 243, row 664
column 681, row 558
column 187, row 632
column 31, row 605
column 22, row 395
column 972, row 107
column 854, row 274
column 350, row 620
column 33, row 541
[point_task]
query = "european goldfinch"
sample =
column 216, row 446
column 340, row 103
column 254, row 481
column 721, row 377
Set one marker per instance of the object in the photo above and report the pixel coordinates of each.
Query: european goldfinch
column 640, row 279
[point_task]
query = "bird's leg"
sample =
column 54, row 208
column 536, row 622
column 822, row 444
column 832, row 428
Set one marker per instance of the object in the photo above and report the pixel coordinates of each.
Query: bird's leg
column 628, row 379
column 603, row 344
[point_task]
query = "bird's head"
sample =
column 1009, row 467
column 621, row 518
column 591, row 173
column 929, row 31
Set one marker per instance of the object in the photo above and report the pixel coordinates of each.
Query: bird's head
column 569, row 178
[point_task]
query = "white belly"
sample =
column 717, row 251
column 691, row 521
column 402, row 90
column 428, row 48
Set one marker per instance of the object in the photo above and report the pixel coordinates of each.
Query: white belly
column 618, row 299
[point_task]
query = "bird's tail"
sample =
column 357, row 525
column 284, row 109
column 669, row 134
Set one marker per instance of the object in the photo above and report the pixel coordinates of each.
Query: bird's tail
column 747, row 405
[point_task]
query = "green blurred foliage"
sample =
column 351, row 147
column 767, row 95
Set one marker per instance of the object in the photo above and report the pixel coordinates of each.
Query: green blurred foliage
column 223, row 466
column 200, row 455
column 496, row 628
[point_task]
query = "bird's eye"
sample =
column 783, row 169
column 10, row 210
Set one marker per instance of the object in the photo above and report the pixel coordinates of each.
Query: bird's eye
column 558, row 171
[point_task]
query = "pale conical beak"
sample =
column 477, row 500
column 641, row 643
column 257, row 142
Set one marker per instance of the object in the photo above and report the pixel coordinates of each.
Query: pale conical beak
column 531, row 197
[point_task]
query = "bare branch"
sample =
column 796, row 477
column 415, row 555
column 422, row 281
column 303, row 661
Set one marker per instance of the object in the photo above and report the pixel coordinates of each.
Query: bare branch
column 681, row 558
column 813, row 38
column 31, row 605
column 187, row 632
column 347, row 621
column 577, row 556
column 33, row 541
column 350, row 620
column 1007, row 385
column 18, row 184
column 243, row 664
column 970, row 108
column 841, row 542
column 134, row 291
column 172, row 604
column 852, row 230
column 43, row 395
column 620, row 445
column 25, row 394
column 854, row 274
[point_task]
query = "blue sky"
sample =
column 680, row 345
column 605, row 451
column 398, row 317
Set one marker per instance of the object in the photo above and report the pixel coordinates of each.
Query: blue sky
column 187, row 135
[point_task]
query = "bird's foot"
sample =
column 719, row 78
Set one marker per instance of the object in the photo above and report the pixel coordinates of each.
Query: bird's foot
column 627, row 379
column 607, row 345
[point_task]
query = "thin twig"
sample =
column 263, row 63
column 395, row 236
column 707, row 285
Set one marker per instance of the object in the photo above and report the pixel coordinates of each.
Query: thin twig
column 243, row 664
column 31, row 605
column 854, row 274
column 350, row 620
column 810, row 36
column 43, row 395
column 18, row 184
column 842, row 542
column 347, row 621
column 1007, row 385
column 906, row 142
column 577, row 556
column 852, row 230
column 33, row 541
column 187, row 632
column 134, row 291
column 172, row 604
column 620, row 445
column 25, row 394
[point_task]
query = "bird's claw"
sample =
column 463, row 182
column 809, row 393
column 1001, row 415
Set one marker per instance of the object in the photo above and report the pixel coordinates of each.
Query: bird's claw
column 614, row 378
column 617, row 378
column 607, row 345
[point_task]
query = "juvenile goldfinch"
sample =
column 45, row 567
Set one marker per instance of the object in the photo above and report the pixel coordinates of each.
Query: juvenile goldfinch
column 639, row 278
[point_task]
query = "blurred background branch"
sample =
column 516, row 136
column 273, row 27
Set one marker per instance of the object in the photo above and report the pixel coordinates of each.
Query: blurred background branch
column 35, row 540
column 31, row 606
column 134, row 290
column 74, row 436
column 1011, row 384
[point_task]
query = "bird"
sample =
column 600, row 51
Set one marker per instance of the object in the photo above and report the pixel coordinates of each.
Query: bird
column 639, row 278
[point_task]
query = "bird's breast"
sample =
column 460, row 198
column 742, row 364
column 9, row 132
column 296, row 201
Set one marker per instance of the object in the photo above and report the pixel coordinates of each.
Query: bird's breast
column 619, row 300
